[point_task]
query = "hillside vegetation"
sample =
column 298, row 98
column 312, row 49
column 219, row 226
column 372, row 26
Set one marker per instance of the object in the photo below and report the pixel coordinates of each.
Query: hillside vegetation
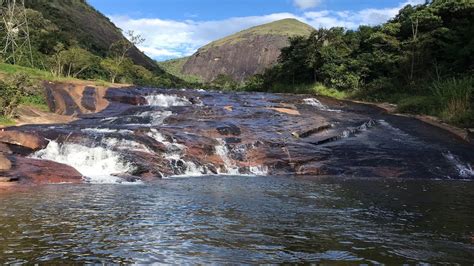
column 175, row 68
column 67, row 40
column 285, row 27
column 422, row 60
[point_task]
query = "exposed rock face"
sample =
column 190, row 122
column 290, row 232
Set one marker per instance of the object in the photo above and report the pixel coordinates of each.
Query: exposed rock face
column 27, row 140
column 238, row 60
column 146, row 134
column 5, row 163
column 73, row 99
column 245, row 53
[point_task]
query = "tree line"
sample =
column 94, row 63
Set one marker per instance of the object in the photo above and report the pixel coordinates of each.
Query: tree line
column 422, row 59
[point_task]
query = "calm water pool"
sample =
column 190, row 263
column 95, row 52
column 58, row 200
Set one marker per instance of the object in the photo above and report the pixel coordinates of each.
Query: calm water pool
column 241, row 220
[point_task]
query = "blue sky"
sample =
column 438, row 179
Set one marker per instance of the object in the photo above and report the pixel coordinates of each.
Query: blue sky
column 177, row 28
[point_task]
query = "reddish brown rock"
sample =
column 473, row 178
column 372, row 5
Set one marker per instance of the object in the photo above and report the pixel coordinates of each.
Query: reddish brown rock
column 27, row 140
column 4, row 148
column 5, row 163
column 43, row 172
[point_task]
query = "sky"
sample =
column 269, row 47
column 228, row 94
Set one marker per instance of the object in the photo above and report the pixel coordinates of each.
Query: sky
column 177, row 28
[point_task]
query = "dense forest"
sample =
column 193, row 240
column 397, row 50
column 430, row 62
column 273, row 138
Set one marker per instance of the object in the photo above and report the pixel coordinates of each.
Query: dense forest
column 423, row 59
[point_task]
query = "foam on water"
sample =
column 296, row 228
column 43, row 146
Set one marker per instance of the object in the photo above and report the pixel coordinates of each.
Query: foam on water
column 96, row 164
column 106, row 131
column 175, row 156
column 223, row 152
column 316, row 103
column 465, row 170
column 164, row 100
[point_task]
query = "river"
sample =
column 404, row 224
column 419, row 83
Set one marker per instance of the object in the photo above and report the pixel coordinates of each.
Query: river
column 235, row 219
column 187, row 176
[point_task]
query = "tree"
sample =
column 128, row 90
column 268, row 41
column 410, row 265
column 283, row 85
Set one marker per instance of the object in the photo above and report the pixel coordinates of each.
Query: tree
column 11, row 92
column 76, row 60
column 118, row 54
column 57, row 60
column 225, row 82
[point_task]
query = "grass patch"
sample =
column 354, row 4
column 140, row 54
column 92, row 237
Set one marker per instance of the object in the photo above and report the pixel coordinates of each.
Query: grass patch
column 451, row 100
column 41, row 75
column 322, row 90
column 314, row 89
column 284, row 27
column 175, row 68
column 5, row 121
column 419, row 105
column 37, row 101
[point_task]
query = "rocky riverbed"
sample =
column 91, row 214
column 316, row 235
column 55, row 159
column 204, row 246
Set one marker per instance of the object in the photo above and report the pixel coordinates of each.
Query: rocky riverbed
column 143, row 134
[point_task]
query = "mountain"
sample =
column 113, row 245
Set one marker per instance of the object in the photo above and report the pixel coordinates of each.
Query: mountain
column 92, row 30
column 245, row 53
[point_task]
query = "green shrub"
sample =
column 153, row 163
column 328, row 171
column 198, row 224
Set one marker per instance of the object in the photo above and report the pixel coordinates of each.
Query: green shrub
column 455, row 96
column 419, row 105
column 5, row 121
column 320, row 89
column 20, row 89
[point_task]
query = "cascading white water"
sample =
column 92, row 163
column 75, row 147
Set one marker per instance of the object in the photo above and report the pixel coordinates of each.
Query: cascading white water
column 223, row 152
column 316, row 103
column 106, row 131
column 97, row 164
column 260, row 170
column 175, row 153
column 164, row 100
column 465, row 170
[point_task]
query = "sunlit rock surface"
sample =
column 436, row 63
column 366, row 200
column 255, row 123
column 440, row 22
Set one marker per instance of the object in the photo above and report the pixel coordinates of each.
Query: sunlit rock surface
column 141, row 134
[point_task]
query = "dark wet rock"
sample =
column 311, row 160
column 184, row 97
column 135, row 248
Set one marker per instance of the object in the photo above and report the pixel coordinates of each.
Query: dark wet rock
column 233, row 140
column 312, row 131
column 230, row 129
column 7, row 179
column 89, row 99
column 27, row 140
column 208, row 138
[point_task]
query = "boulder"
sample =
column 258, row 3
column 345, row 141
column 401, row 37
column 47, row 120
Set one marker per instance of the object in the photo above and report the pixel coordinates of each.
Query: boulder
column 230, row 129
column 5, row 163
column 27, row 140
column 5, row 149
column 34, row 171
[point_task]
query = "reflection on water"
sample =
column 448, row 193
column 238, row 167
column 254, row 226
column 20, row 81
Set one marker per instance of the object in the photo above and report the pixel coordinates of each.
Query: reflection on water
column 241, row 219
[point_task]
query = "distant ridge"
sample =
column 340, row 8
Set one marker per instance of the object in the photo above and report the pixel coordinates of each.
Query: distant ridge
column 245, row 53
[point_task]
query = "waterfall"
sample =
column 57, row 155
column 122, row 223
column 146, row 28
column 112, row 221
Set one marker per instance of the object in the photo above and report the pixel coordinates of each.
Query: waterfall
column 175, row 156
column 223, row 152
column 465, row 170
column 164, row 100
column 96, row 164
column 316, row 103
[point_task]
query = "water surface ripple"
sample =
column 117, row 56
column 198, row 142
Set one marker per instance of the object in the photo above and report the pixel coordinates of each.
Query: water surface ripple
column 241, row 220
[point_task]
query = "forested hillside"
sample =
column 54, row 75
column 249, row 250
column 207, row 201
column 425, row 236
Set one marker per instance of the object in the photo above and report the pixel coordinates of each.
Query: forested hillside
column 70, row 38
column 423, row 59
column 65, row 40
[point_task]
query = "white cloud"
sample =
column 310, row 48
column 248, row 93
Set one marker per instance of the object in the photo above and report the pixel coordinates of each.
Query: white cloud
column 306, row 4
column 170, row 38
